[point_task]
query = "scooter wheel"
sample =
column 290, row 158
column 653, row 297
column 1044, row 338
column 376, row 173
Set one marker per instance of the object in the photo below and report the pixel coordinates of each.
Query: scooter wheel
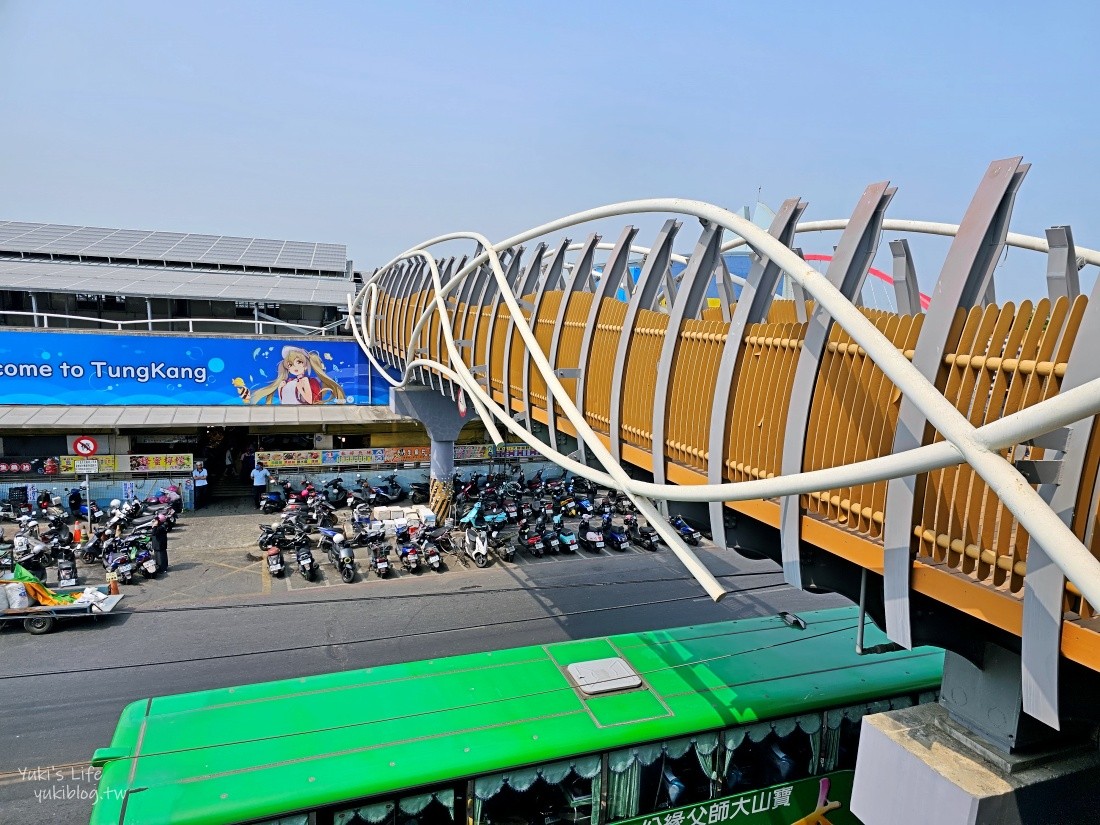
column 481, row 560
column 348, row 574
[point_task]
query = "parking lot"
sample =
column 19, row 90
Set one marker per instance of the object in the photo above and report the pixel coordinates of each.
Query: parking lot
column 214, row 557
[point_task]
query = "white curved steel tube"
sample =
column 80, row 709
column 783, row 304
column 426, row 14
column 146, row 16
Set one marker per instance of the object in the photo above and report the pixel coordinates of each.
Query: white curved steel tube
column 1019, row 497
column 1016, row 239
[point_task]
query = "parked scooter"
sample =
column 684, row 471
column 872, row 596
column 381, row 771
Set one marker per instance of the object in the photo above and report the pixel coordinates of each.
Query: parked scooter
column 342, row 557
column 530, row 540
column 307, row 565
column 409, row 555
column 419, row 492
column 479, row 516
column 379, row 560
column 92, row 512
column 142, row 558
column 616, row 536
column 390, row 492
column 117, row 561
column 546, row 528
column 31, row 553
column 276, row 564
column 272, row 502
column 642, row 535
column 476, row 547
column 567, row 538
column 93, row 548
column 11, row 511
column 688, row 533
column 501, row 546
column 335, row 493
column 431, row 554
column 591, row 536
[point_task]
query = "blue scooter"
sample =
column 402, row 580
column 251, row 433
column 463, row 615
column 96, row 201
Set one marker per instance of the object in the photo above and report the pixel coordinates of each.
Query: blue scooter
column 688, row 533
column 477, row 517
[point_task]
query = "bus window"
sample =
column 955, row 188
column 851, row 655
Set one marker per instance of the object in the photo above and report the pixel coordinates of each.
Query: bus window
column 769, row 753
column 650, row 778
column 549, row 794
column 842, row 734
column 378, row 813
column 423, row 809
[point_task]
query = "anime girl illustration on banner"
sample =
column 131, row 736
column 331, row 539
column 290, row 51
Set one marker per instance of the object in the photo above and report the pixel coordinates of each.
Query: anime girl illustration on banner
column 301, row 379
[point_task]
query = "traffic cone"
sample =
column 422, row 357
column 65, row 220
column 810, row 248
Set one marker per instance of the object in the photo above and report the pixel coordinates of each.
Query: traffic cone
column 113, row 589
column 76, row 533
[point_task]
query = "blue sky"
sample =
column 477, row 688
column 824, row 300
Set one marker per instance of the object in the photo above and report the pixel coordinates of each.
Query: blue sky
column 379, row 125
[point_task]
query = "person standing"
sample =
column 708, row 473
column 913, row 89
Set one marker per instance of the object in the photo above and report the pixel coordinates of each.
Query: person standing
column 160, row 544
column 200, row 475
column 260, row 478
column 248, row 463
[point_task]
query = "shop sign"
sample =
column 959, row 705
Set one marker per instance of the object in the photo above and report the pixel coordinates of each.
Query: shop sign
column 107, row 464
column 814, row 800
column 30, row 466
column 164, row 463
column 274, row 459
column 75, row 369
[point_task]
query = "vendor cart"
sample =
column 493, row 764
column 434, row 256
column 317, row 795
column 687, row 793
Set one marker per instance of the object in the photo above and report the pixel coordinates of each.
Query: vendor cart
column 41, row 618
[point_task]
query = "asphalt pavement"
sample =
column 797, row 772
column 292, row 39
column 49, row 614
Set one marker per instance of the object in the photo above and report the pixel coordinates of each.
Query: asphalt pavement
column 217, row 619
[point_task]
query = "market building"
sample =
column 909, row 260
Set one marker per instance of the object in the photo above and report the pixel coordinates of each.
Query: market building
column 164, row 348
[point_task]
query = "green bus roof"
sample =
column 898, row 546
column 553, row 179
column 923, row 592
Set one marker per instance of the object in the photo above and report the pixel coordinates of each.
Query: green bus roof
column 261, row 750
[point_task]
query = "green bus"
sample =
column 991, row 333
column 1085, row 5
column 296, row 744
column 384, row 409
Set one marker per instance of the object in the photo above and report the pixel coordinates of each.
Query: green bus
column 747, row 721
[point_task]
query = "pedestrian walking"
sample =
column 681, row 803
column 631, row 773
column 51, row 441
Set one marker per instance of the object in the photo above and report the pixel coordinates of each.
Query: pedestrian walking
column 260, row 478
column 200, row 475
column 228, row 463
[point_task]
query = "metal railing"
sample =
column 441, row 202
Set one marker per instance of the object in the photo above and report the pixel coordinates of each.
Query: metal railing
column 150, row 323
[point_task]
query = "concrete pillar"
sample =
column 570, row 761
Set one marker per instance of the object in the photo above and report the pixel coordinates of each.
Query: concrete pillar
column 440, row 417
column 917, row 765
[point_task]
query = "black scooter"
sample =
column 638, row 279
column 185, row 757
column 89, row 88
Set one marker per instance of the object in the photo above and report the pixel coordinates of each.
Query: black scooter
column 642, row 535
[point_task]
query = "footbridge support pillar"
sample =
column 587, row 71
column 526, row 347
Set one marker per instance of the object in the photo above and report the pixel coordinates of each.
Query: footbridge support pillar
column 442, row 419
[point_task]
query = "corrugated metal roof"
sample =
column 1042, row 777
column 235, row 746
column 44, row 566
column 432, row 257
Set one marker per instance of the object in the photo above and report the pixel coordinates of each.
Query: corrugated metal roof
column 135, row 281
column 72, row 419
column 59, row 239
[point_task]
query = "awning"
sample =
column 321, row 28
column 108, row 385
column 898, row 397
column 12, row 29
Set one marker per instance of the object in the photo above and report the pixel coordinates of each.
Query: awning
column 84, row 419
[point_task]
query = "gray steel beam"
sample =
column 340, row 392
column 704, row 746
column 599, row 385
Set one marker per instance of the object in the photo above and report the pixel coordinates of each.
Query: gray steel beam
column 512, row 275
column 906, row 289
column 751, row 308
column 613, row 270
column 416, row 274
column 577, row 279
column 528, row 285
column 446, row 386
column 847, row 271
column 393, row 286
column 553, row 275
column 424, row 375
column 724, row 284
column 436, row 381
column 1062, row 276
column 1044, row 582
column 489, row 289
column 645, row 291
column 690, row 298
column 963, row 282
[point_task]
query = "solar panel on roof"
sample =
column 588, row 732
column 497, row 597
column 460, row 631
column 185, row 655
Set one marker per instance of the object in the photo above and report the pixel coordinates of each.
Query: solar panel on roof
column 23, row 236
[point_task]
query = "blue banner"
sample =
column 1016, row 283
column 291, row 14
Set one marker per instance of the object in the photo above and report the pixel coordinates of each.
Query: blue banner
column 76, row 368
